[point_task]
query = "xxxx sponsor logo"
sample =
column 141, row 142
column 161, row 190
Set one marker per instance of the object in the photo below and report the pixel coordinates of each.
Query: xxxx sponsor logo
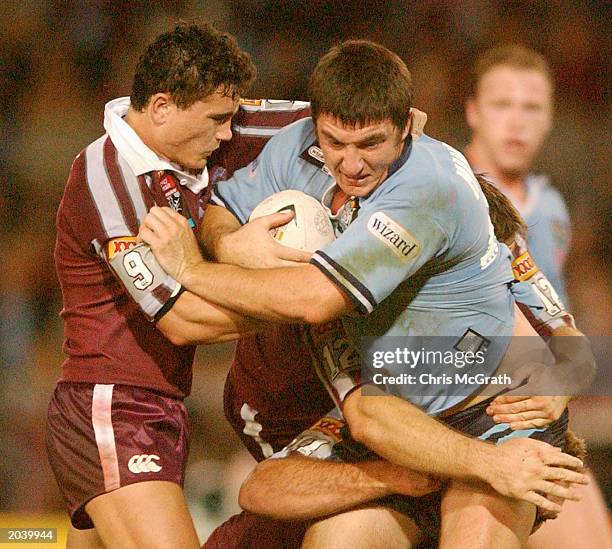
column 524, row 267
column 144, row 463
column 118, row 245
column 330, row 427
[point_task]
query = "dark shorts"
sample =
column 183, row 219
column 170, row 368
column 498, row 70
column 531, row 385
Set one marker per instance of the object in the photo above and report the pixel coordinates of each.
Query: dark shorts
column 247, row 528
column 101, row 437
column 249, row 531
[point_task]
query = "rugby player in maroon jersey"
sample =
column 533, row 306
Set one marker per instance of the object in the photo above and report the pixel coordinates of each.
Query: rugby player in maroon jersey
column 117, row 431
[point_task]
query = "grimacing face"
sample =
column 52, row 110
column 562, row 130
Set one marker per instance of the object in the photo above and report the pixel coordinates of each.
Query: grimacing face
column 189, row 136
column 359, row 156
column 510, row 117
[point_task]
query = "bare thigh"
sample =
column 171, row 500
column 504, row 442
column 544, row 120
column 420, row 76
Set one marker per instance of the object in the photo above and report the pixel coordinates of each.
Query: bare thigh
column 83, row 539
column 480, row 518
column 149, row 514
column 363, row 528
column 583, row 523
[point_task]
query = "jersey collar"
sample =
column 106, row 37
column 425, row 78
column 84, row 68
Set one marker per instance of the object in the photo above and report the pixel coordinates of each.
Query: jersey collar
column 140, row 158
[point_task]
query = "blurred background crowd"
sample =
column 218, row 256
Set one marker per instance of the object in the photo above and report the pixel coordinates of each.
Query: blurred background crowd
column 61, row 60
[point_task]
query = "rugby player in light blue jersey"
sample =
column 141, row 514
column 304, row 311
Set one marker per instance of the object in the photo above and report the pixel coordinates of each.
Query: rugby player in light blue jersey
column 510, row 114
column 412, row 212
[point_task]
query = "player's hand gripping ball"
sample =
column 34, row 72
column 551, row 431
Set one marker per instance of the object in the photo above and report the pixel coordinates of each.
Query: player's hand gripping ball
column 309, row 230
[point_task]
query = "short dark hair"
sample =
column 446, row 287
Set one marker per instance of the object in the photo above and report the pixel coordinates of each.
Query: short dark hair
column 191, row 62
column 360, row 82
column 516, row 56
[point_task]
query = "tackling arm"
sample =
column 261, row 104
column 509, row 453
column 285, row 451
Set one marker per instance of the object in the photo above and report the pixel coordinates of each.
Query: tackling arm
column 248, row 292
column 192, row 320
column 400, row 432
column 303, row 481
column 300, row 488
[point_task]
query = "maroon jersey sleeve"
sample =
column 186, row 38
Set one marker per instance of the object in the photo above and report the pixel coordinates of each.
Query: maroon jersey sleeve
column 550, row 312
column 256, row 121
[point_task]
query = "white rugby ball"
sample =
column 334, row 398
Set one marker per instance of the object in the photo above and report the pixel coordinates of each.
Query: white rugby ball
column 309, row 230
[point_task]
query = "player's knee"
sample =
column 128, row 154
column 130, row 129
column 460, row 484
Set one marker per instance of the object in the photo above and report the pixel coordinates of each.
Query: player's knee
column 484, row 517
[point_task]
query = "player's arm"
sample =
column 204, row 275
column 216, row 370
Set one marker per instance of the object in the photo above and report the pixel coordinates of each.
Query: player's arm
column 182, row 317
column 387, row 243
column 279, row 294
column 303, row 482
column 405, row 435
column 193, row 321
column 540, row 303
column 531, row 405
column 547, row 389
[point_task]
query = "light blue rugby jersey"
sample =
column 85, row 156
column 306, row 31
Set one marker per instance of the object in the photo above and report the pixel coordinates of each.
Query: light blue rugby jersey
column 420, row 259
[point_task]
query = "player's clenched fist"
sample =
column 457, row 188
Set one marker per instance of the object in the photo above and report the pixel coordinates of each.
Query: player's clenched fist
column 171, row 239
column 530, row 470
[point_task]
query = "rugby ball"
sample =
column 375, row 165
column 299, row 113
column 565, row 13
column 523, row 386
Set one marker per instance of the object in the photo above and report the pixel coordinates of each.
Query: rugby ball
column 309, row 230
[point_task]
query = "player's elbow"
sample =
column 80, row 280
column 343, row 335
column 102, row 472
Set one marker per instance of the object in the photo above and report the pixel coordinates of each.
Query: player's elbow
column 326, row 306
column 253, row 496
column 360, row 422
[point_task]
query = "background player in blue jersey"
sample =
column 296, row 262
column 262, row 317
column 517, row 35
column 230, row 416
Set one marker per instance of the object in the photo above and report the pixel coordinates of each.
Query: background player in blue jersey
column 510, row 113
column 365, row 149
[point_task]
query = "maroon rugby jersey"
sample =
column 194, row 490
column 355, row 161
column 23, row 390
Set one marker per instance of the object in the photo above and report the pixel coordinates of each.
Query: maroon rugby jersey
column 108, row 338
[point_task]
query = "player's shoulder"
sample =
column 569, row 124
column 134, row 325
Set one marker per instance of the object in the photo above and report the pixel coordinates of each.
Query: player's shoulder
column 266, row 117
column 545, row 187
column 84, row 164
column 547, row 193
column 427, row 168
column 291, row 140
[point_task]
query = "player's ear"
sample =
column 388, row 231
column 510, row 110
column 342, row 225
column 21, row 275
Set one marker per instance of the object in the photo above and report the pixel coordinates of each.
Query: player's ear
column 416, row 123
column 471, row 114
column 160, row 107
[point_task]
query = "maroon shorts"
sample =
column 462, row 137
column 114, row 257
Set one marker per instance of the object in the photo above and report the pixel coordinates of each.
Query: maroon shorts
column 249, row 531
column 102, row 437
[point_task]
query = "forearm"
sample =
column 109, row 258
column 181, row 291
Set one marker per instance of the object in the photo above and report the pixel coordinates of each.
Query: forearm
column 217, row 223
column 403, row 434
column 574, row 357
column 192, row 320
column 300, row 488
column 296, row 294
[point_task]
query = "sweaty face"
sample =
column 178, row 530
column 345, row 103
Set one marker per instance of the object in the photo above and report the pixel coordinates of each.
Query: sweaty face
column 189, row 136
column 359, row 156
column 510, row 117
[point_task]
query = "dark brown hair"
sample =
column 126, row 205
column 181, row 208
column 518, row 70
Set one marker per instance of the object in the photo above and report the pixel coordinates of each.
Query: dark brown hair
column 516, row 56
column 189, row 63
column 507, row 222
column 360, row 82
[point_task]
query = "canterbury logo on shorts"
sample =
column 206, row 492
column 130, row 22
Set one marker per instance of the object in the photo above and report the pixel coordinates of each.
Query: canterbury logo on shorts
column 143, row 463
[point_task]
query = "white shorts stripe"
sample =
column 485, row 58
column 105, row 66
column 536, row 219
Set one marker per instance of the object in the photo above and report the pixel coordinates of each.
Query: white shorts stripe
column 105, row 435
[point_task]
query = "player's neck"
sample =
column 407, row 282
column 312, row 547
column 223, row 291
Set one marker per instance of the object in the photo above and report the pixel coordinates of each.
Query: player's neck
column 512, row 185
column 141, row 125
